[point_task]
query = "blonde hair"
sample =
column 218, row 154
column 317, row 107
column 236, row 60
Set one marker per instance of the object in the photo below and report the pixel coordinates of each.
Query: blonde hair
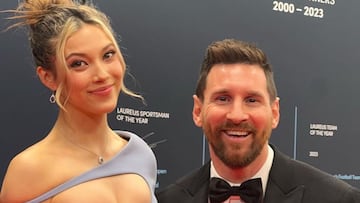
column 51, row 23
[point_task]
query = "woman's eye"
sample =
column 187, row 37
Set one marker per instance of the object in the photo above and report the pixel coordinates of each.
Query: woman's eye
column 109, row 54
column 75, row 64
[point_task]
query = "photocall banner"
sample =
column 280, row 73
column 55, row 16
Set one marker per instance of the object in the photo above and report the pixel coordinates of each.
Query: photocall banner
column 313, row 46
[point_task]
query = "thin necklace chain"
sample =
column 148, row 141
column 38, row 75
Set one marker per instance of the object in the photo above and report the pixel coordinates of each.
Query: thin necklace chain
column 99, row 156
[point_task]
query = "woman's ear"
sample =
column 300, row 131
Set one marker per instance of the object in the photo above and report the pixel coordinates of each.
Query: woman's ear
column 47, row 78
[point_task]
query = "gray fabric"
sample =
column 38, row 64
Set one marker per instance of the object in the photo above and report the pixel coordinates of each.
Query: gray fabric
column 136, row 158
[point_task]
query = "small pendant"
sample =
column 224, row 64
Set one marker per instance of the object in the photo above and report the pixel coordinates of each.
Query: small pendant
column 100, row 160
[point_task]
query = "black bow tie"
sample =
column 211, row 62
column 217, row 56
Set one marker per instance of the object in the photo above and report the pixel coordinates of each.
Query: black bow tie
column 249, row 191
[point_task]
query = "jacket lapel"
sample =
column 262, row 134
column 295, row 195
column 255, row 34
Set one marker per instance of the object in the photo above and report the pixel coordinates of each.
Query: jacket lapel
column 281, row 186
column 197, row 185
column 274, row 194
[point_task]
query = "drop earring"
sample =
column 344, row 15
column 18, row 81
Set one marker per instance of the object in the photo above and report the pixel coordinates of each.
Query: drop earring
column 52, row 98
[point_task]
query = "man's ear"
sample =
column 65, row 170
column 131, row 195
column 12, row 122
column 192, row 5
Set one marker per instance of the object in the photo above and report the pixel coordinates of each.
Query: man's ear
column 275, row 108
column 196, row 113
column 47, row 78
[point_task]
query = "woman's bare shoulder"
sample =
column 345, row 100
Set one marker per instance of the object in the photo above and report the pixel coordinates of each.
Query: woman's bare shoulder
column 24, row 178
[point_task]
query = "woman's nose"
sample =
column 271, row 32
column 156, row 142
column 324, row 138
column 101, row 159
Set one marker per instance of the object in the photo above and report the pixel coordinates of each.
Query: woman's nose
column 100, row 73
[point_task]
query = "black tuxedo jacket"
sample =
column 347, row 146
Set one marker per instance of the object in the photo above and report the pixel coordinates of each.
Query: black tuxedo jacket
column 290, row 181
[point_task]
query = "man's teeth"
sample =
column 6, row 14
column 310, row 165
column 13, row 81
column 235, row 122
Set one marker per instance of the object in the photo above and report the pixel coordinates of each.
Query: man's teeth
column 237, row 133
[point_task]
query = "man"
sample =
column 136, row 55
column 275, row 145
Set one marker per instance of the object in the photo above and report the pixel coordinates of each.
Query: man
column 237, row 107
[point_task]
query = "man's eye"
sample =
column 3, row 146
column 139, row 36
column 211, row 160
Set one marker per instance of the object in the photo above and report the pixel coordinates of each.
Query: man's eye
column 251, row 100
column 223, row 99
column 75, row 64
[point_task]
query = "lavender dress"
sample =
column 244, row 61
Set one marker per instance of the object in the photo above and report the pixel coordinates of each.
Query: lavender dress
column 136, row 157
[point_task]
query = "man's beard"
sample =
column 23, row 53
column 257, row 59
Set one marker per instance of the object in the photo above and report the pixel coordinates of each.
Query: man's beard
column 230, row 155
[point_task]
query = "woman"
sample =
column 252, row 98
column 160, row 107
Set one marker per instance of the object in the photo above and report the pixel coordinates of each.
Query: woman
column 81, row 159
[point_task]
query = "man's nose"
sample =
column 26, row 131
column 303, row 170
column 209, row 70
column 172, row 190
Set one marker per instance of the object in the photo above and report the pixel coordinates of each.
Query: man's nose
column 237, row 113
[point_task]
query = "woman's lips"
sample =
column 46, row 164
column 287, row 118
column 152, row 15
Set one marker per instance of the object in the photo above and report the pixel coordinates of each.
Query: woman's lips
column 102, row 90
